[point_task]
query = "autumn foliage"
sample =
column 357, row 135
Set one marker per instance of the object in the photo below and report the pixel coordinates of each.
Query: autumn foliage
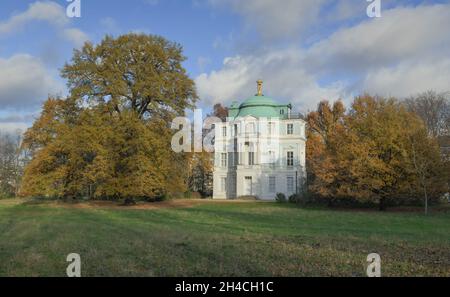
column 376, row 153
column 111, row 137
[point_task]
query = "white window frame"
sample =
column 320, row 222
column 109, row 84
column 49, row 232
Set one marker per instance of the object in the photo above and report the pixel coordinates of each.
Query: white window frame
column 290, row 129
column 271, row 128
column 223, row 160
column 290, row 158
column 223, row 184
column 251, row 158
column 290, row 184
column 272, row 184
column 272, row 157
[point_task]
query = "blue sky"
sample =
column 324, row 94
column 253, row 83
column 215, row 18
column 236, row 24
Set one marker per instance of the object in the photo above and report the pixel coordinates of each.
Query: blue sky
column 304, row 50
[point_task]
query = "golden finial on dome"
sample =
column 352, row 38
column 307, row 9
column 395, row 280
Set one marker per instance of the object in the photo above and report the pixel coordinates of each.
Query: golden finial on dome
column 260, row 86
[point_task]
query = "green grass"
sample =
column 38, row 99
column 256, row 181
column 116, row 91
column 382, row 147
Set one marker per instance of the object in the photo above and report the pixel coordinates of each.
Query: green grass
column 220, row 239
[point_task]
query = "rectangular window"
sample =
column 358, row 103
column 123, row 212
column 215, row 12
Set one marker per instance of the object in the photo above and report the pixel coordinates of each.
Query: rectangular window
column 224, row 131
column 223, row 184
column 271, row 128
column 223, row 160
column 290, row 158
column 290, row 184
column 272, row 184
column 251, row 158
column 290, row 129
column 235, row 130
column 272, row 158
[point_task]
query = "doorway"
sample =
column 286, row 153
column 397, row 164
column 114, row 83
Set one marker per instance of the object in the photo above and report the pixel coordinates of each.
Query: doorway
column 248, row 186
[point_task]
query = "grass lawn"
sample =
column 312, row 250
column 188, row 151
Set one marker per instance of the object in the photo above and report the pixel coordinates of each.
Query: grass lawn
column 195, row 238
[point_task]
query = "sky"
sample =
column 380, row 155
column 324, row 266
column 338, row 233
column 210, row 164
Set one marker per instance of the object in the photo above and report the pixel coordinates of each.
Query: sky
column 305, row 51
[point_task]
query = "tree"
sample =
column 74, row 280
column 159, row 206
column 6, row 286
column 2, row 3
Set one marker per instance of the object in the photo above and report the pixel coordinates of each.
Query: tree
column 220, row 112
column 371, row 154
column 11, row 164
column 434, row 109
column 136, row 72
column 111, row 137
column 325, row 132
column 200, row 173
column 427, row 165
column 202, row 163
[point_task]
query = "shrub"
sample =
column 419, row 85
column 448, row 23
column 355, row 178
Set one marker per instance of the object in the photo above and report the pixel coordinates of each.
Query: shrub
column 295, row 198
column 280, row 197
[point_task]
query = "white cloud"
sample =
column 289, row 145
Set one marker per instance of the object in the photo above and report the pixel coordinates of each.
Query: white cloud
column 76, row 36
column 25, row 83
column 402, row 33
column 276, row 18
column 16, row 123
column 409, row 78
column 403, row 53
column 13, row 128
column 284, row 77
column 46, row 11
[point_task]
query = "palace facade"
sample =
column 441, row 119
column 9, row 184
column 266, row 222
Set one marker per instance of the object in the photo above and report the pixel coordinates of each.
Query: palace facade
column 259, row 150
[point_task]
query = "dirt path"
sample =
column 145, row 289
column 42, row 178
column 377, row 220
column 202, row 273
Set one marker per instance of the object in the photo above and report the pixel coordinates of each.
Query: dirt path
column 176, row 203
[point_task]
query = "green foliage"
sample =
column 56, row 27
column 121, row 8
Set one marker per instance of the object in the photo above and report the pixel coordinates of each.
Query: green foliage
column 295, row 198
column 200, row 177
column 140, row 72
column 280, row 197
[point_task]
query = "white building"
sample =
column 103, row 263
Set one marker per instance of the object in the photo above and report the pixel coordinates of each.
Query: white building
column 259, row 151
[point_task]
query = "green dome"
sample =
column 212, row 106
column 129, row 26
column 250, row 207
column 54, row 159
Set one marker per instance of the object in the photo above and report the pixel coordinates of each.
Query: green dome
column 258, row 106
column 259, row 101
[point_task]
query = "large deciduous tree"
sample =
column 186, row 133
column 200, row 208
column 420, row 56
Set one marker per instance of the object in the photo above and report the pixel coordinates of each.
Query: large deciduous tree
column 378, row 152
column 136, row 72
column 111, row 137
column 325, row 133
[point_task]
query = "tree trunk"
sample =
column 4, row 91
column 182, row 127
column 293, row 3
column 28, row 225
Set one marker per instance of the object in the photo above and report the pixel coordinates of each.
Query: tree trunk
column 382, row 204
column 426, row 199
column 129, row 201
